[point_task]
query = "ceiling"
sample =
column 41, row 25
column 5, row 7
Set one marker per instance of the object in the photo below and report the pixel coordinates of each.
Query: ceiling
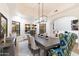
column 33, row 10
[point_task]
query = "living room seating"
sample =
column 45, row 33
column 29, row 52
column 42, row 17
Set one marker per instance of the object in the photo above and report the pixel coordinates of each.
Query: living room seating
column 67, row 42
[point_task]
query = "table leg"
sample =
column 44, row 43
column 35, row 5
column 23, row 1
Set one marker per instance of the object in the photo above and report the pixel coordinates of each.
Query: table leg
column 45, row 52
column 1, row 51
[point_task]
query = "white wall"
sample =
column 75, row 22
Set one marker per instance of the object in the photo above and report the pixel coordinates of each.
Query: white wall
column 64, row 23
column 5, row 11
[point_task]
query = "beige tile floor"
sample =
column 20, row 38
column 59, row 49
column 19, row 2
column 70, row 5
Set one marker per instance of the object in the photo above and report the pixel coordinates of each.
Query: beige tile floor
column 22, row 49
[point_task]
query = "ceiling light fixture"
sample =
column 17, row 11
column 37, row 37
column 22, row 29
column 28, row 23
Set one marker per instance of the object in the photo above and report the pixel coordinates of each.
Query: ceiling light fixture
column 38, row 10
column 42, row 9
column 41, row 16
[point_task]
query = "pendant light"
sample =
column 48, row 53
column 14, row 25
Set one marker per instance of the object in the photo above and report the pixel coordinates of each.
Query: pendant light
column 39, row 12
column 41, row 16
column 44, row 17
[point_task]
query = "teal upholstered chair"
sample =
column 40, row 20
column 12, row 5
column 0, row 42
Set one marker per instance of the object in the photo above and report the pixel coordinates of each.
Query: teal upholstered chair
column 67, row 41
column 73, row 39
column 63, row 46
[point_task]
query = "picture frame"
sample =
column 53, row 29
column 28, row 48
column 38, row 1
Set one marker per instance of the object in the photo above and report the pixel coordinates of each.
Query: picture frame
column 3, row 26
column 74, row 24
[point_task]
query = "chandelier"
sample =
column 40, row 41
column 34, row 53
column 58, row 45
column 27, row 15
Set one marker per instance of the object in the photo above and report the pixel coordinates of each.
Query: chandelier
column 41, row 16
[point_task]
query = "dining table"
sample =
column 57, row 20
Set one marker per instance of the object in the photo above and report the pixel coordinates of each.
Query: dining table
column 47, row 43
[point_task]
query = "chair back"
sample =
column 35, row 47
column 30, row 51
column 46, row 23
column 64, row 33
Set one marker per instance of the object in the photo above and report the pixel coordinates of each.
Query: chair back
column 28, row 37
column 12, row 38
column 33, row 44
column 67, row 42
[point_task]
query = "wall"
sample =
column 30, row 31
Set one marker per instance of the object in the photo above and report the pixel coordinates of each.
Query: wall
column 5, row 11
column 64, row 23
column 72, row 12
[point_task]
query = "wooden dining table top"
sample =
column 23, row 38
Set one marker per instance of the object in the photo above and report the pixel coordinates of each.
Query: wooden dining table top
column 47, row 42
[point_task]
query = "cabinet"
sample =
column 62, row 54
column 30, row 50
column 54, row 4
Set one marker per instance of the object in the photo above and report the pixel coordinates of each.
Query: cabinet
column 30, row 28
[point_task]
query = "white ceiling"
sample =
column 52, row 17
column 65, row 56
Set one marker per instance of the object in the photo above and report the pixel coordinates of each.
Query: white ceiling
column 32, row 9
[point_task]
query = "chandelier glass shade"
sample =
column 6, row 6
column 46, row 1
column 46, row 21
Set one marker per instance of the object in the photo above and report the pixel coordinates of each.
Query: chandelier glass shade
column 42, row 18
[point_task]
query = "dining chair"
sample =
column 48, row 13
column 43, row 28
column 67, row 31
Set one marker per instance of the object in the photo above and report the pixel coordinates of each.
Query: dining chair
column 34, row 48
column 29, row 43
column 13, row 37
column 66, row 45
column 60, row 51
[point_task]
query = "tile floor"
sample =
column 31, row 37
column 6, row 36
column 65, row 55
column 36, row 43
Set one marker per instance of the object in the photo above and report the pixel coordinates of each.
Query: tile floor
column 23, row 49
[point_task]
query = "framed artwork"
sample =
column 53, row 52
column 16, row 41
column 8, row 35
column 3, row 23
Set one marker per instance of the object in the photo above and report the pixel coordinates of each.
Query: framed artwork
column 74, row 24
column 27, row 27
column 16, row 27
column 3, row 26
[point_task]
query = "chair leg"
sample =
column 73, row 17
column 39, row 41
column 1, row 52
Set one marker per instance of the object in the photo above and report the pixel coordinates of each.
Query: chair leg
column 39, row 52
column 33, row 53
column 36, row 51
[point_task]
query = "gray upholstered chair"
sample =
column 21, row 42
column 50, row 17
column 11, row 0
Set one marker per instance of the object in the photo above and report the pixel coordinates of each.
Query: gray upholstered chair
column 34, row 48
column 29, row 43
column 13, row 38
